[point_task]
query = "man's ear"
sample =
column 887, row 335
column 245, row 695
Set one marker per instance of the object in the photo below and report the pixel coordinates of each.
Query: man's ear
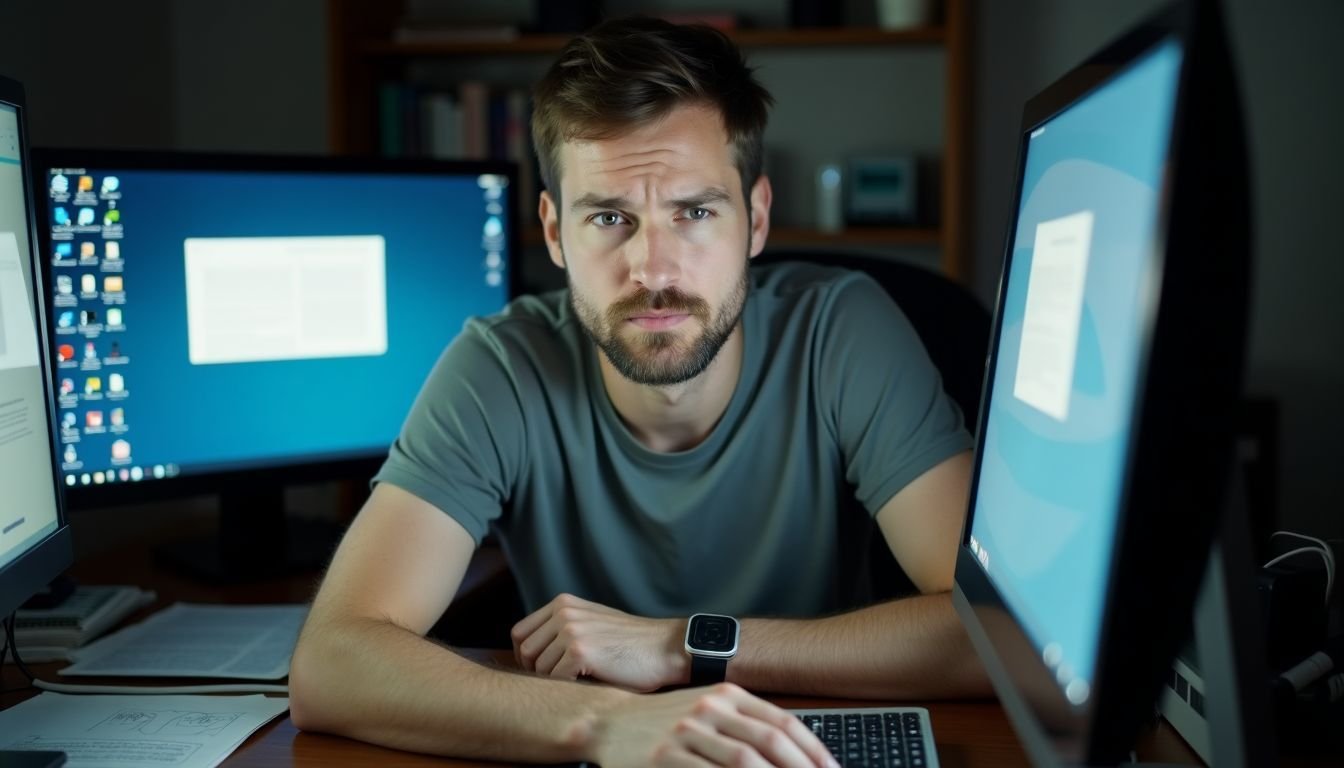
column 761, row 195
column 549, row 214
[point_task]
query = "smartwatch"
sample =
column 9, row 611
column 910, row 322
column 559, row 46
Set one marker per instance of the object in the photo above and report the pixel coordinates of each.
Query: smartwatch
column 711, row 640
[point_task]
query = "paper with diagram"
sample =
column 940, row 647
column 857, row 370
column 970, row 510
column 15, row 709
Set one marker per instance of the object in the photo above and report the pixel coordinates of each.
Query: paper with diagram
column 180, row 731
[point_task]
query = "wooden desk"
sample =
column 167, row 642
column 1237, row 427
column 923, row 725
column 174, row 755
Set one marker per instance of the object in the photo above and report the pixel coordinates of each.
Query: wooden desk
column 967, row 733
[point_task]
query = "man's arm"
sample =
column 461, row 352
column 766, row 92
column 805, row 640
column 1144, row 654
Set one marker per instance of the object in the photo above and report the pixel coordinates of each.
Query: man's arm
column 910, row 648
column 363, row 669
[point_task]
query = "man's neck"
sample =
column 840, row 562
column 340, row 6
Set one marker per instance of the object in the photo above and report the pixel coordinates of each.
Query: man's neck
column 680, row 416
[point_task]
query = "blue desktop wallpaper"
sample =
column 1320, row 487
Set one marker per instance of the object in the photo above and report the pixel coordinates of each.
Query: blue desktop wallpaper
column 1049, row 488
column 196, row 418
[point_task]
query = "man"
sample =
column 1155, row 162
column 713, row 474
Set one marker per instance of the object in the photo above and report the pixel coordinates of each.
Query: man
column 669, row 436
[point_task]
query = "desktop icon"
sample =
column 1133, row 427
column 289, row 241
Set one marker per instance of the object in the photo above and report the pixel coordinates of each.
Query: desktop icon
column 71, row 455
column 88, row 317
column 111, row 217
column 159, row 472
column 64, row 285
column 67, row 386
column 86, row 251
column 121, row 451
column 118, row 417
column 93, row 418
column 124, row 474
column 90, row 351
column 61, row 216
column 60, row 184
column 493, row 227
column 88, row 284
column 111, row 184
column 64, row 250
column 113, row 250
column 98, row 478
column 66, row 319
column 84, row 479
column 116, row 383
column 114, row 316
column 113, row 284
column 70, row 479
column 93, row 384
column 137, row 474
column 65, row 352
column 85, row 217
column 115, row 351
column 69, row 420
column 85, row 183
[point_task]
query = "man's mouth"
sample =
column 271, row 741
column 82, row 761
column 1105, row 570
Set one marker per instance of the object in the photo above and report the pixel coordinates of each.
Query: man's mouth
column 658, row 320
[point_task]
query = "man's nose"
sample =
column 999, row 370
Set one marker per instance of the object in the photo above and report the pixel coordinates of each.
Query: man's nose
column 654, row 261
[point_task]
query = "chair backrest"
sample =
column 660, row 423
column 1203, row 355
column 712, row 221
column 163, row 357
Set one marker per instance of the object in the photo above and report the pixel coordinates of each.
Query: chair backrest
column 954, row 327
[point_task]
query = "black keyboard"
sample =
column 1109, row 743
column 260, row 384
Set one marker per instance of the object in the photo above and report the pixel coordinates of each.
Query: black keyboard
column 873, row 739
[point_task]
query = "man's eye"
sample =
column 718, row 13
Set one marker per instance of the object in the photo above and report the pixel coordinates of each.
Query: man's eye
column 697, row 214
column 608, row 219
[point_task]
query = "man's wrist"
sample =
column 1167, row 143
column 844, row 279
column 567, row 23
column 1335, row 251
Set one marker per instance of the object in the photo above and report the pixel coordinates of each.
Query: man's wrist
column 678, row 662
column 583, row 739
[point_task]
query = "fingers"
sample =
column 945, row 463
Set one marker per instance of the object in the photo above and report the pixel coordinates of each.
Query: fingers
column 549, row 658
column 798, row 735
column 718, row 749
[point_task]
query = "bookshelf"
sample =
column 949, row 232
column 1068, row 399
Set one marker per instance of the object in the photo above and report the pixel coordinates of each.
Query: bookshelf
column 363, row 53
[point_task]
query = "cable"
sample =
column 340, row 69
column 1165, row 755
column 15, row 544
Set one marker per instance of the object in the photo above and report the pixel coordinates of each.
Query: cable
column 1320, row 547
column 1329, row 550
column 13, row 644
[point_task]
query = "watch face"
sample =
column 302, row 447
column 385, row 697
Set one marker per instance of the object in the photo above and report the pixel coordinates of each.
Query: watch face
column 713, row 633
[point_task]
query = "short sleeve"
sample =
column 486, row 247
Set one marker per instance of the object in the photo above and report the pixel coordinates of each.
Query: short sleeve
column 885, row 399
column 460, row 448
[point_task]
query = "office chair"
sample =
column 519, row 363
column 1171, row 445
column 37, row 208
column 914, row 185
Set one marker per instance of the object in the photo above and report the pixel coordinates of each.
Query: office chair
column 954, row 327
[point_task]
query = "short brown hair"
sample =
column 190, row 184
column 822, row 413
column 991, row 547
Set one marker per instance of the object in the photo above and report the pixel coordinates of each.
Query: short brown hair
column 629, row 72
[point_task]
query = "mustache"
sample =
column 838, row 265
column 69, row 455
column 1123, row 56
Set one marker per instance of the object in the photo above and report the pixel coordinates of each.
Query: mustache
column 666, row 300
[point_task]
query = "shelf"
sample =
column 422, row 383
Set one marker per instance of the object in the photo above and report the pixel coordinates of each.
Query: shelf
column 794, row 236
column 749, row 38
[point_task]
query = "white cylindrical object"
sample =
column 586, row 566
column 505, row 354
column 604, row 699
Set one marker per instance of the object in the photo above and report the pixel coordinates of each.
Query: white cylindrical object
column 830, row 200
column 903, row 14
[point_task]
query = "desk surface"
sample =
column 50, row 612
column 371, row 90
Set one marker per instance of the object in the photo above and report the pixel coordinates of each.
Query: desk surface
column 974, row 733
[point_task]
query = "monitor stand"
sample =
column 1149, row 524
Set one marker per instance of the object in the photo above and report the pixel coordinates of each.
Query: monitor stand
column 256, row 541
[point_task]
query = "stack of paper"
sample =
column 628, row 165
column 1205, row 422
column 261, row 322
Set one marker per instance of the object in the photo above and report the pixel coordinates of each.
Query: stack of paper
column 182, row 731
column 252, row 642
column 51, row 634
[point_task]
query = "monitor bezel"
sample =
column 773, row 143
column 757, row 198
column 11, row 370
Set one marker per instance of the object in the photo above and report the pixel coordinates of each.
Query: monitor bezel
column 32, row 570
column 353, row 465
column 1137, row 639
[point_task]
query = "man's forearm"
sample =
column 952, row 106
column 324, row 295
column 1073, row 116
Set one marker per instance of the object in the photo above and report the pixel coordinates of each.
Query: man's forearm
column 376, row 682
column 914, row 648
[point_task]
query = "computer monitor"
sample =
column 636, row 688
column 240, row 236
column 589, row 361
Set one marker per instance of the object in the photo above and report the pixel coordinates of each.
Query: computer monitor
column 230, row 324
column 1107, row 415
column 34, row 537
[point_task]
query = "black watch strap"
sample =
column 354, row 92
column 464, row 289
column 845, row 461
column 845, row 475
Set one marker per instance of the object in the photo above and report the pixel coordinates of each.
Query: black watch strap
column 708, row 670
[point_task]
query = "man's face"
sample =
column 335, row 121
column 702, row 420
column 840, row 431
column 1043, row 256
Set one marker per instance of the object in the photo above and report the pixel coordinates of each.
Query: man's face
column 654, row 239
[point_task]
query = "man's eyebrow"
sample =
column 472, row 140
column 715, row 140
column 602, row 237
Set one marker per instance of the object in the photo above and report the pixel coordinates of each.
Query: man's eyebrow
column 591, row 200
column 703, row 197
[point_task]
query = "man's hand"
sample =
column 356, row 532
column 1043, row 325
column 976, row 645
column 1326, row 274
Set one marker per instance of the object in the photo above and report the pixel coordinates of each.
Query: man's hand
column 721, row 725
column 571, row 638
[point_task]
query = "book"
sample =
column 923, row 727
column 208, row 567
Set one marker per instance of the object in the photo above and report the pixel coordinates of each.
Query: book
column 50, row 633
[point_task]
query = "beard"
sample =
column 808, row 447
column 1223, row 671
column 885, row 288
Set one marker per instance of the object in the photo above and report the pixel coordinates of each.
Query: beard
column 660, row 358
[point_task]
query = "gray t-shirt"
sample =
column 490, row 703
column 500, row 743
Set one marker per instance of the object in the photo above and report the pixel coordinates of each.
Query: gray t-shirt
column 514, row 432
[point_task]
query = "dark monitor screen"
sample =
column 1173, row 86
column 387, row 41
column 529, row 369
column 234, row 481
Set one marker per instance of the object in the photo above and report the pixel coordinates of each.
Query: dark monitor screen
column 226, row 314
column 34, row 537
